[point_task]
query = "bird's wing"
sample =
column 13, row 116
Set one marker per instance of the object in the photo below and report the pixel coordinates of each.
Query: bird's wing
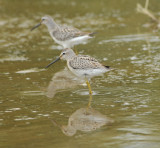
column 84, row 62
column 65, row 33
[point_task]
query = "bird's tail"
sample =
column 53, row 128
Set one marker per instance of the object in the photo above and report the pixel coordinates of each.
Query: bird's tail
column 92, row 34
column 108, row 67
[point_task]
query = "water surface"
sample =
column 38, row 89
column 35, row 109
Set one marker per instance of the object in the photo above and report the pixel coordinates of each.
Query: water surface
column 32, row 98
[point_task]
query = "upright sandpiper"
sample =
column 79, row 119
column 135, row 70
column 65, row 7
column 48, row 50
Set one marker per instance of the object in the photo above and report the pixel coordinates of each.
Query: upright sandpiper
column 64, row 35
column 82, row 66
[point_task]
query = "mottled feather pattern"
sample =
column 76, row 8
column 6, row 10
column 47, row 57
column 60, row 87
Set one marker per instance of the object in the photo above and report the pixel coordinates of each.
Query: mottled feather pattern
column 64, row 32
column 84, row 62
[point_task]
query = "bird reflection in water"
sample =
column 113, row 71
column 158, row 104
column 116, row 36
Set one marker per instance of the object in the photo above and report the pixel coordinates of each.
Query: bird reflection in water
column 85, row 120
column 63, row 79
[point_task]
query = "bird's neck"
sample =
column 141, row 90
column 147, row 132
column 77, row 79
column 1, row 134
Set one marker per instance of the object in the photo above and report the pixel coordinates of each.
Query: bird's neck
column 51, row 26
column 71, row 56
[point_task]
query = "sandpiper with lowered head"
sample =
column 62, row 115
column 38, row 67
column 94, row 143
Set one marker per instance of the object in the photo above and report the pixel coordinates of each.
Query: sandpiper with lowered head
column 64, row 35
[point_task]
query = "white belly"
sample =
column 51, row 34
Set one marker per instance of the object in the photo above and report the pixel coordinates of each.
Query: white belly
column 70, row 43
column 79, row 40
column 87, row 73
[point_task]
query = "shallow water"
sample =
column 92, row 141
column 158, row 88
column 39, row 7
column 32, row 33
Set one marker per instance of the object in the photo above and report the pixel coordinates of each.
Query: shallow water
column 32, row 98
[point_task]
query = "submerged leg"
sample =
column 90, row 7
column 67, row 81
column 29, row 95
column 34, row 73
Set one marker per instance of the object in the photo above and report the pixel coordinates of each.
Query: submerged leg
column 89, row 102
column 89, row 87
column 90, row 94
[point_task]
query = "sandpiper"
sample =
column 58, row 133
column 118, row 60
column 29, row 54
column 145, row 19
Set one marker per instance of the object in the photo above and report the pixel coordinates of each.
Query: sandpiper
column 64, row 35
column 82, row 66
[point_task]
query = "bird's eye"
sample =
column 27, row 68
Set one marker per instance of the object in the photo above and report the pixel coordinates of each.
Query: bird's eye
column 64, row 53
column 43, row 19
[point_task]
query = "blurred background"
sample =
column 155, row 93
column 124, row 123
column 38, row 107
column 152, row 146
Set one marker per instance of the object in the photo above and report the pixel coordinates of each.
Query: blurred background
column 32, row 97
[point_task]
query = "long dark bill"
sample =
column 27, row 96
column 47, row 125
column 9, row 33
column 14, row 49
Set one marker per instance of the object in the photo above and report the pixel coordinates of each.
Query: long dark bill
column 53, row 62
column 36, row 26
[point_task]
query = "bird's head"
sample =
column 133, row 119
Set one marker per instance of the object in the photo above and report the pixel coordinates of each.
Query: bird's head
column 47, row 20
column 66, row 54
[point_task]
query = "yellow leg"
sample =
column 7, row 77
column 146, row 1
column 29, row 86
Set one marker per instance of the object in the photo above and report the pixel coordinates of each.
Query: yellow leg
column 89, row 102
column 90, row 94
column 89, row 87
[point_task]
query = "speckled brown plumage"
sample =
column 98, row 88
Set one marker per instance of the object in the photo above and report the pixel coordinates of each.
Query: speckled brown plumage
column 64, row 32
column 84, row 62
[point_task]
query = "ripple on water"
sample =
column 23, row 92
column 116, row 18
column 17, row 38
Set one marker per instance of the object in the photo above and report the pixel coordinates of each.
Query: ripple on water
column 33, row 93
column 14, row 109
column 29, row 70
column 3, row 22
column 43, row 115
column 137, row 130
column 85, row 92
column 13, row 58
column 132, row 38
column 21, row 118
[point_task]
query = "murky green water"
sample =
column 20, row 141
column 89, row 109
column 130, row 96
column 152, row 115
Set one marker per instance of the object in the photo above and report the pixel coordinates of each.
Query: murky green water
column 35, row 103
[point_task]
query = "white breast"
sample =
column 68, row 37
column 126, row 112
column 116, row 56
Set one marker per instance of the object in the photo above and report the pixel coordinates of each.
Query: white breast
column 57, row 41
